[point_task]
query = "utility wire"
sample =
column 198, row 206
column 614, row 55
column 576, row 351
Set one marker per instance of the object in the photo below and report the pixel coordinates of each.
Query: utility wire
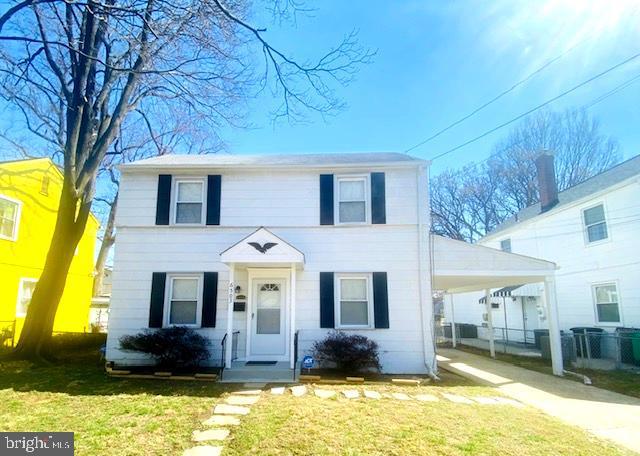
column 494, row 99
column 542, row 105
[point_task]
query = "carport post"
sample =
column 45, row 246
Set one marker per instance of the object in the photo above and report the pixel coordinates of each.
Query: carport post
column 554, row 327
column 487, row 302
column 453, row 324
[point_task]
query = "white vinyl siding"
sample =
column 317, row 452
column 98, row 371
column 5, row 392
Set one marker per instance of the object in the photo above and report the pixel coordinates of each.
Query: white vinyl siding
column 354, row 301
column 352, row 202
column 183, row 305
column 607, row 303
column 25, row 293
column 595, row 224
column 9, row 218
column 189, row 201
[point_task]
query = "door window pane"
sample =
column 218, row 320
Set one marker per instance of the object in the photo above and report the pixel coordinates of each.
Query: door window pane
column 268, row 309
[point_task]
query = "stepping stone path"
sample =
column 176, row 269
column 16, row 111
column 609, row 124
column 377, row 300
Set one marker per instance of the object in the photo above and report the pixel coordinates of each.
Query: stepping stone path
column 203, row 450
column 222, row 420
column 324, row 394
column 507, row 401
column 210, row 434
column 242, row 400
column 351, row 394
column 278, row 391
column 485, row 400
column 457, row 399
column 226, row 409
column 372, row 394
column 299, row 390
column 400, row 396
column 254, row 392
column 426, row 397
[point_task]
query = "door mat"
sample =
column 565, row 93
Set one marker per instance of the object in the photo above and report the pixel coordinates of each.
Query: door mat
column 260, row 363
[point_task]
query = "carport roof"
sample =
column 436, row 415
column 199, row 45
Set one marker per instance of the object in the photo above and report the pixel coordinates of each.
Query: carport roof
column 460, row 267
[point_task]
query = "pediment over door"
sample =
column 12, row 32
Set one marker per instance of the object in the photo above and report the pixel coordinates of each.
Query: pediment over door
column 262, row 246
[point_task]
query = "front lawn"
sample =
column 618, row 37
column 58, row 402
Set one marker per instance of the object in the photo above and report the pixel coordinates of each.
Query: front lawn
column 156, row 417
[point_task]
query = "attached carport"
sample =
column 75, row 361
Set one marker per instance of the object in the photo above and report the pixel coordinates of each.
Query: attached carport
column 460, row 267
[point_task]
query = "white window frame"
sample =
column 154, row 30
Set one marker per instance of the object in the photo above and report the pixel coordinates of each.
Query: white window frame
column 595, row 303
column 169, row 291
column 20, row 294
column 369, row 286
column 585, row 226
column 367, row 197
column 174, row 199
column 510, row 245
column 16, row 223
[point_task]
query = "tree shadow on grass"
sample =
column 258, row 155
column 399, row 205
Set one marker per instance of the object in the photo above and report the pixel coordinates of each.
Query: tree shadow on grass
column 82, row 374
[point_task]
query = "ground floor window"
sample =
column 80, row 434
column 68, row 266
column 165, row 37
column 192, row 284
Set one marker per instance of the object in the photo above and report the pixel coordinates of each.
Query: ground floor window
column 607, row 303
column 25, row 293
column 185, row 300
column 354, row 303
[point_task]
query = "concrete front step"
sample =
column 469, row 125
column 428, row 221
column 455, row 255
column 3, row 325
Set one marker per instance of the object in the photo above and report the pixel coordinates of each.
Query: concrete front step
column 271, row 373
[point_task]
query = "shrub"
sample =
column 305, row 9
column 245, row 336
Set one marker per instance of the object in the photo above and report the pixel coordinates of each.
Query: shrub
column 171, row 347
column 349, row 352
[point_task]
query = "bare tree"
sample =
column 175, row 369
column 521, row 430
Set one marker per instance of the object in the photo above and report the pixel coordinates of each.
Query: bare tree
column 468, row 203
column 77, row 69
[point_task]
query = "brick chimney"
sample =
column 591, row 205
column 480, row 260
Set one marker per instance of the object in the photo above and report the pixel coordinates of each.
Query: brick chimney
column 546, row 181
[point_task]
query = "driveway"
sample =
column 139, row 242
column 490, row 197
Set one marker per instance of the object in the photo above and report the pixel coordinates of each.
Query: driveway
column 603, row 413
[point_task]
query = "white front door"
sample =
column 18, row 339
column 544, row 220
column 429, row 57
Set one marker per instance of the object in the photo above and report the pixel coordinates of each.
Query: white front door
column 268, row 339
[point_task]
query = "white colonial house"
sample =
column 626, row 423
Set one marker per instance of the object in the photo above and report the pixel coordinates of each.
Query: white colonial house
column 590, row 231
column 272, row 252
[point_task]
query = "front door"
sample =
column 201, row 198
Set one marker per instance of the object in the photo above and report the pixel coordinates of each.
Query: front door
column 268, row 322
column 530, row 317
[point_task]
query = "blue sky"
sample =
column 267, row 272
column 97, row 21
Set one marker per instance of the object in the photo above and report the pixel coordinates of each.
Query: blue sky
column 437, row 61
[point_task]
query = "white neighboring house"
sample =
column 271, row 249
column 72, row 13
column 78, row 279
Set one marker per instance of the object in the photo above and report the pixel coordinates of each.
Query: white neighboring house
column 591, row 232
column 270, row 250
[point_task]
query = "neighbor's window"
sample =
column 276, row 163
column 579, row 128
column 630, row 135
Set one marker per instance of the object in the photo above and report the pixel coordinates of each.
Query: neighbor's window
column 25, row 293
column 354, row 303
column 189, row 201
column 595, row 223
column 184, row 300
column 352, row 199
column 9, row 218
column 505, row 245
column 607, row 302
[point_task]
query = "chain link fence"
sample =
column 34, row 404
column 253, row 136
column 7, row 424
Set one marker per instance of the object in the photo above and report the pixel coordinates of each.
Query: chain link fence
column 583, row 347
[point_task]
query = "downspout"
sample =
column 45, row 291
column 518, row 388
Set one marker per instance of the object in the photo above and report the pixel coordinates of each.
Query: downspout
column 424, row 269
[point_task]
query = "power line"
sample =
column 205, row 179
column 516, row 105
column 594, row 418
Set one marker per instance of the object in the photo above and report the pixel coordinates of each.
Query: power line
column 494, row 99
column 542, row 105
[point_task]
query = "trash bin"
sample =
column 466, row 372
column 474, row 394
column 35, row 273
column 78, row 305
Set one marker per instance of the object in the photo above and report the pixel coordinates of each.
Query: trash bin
column 635, row 344
column 467, row 331
column 566, row 342
column 537, row 334
column 593, row 338
column 626, row 337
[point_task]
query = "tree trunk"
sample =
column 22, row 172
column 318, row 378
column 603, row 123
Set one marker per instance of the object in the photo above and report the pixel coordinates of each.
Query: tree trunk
column 107, row 242
column 38, row 325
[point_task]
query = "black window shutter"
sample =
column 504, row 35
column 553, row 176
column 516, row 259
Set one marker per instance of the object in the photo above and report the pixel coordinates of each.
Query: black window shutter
column 378, row 205
column 163, row 202
column 213, row 199
column 209, row 299
column 327, row 303
column 156, row 308
column 326, row 199
column 380, row 300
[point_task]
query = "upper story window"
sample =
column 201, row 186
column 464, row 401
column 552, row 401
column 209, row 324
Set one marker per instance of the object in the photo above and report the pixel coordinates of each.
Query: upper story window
column 505, row 245
column 354, row 301
column 607, row 303
column 44, row 185
column 9, row 218
column 25, row 293
column 595, row 223
column 352, row 199
column 189, row 201
column 184, row 304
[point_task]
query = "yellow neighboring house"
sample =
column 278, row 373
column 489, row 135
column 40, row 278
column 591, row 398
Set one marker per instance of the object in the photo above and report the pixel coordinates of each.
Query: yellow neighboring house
column 29, row 195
